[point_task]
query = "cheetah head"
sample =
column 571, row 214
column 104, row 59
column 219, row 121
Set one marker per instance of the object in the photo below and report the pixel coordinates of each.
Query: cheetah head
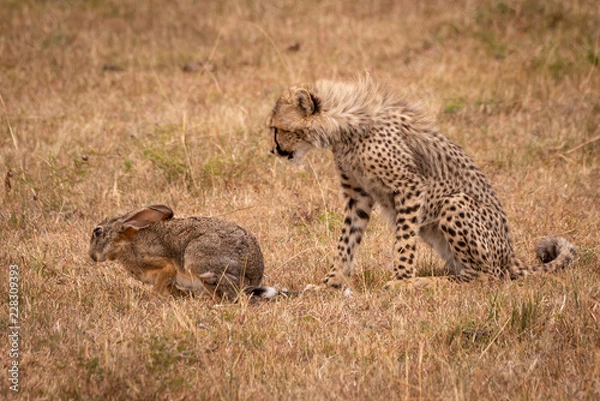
column 290, row 123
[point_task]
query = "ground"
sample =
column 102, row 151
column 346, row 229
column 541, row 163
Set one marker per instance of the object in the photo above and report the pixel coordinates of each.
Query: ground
column 107, row 106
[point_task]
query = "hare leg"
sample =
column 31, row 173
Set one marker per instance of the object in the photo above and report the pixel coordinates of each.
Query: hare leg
column 165, row 278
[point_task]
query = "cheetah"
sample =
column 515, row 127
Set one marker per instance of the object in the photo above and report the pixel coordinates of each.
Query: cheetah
column 388, row 152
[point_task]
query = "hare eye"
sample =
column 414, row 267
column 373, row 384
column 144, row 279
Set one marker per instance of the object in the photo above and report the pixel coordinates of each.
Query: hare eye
column 97, row 231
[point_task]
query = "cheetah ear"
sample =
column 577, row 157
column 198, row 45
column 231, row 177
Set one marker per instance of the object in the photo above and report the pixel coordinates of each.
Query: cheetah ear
column 306, row 101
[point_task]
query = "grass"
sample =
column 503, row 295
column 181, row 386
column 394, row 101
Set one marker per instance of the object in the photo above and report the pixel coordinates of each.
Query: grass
column 101, row 113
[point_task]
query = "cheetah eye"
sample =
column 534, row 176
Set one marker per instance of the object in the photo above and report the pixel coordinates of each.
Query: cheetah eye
column 97, row 231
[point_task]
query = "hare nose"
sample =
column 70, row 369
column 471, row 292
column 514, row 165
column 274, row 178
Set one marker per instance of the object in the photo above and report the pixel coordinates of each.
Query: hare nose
column 93, row 256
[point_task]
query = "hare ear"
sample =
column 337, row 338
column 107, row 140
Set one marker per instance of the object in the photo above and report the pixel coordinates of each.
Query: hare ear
column 142, row 218
column 306, row 101
column 165, row 210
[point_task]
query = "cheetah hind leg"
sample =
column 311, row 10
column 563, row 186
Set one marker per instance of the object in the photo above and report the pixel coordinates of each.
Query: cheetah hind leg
column 458, row 274
column 463, row 274
column 433, row 236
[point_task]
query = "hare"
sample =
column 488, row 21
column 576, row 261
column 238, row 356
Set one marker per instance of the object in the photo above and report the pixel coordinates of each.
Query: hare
column 193, row 253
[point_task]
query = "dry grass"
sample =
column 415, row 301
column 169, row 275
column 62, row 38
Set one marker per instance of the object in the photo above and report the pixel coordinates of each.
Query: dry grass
column 109, row 105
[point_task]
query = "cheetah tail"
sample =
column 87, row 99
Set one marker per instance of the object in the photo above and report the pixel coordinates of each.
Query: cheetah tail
column 555, row 253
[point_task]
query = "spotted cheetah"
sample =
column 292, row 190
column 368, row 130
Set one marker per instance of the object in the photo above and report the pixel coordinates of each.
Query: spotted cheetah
column 388, row 152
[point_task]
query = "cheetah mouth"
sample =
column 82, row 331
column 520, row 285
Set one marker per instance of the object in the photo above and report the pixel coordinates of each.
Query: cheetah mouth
column 282, row 153
column 278, row 149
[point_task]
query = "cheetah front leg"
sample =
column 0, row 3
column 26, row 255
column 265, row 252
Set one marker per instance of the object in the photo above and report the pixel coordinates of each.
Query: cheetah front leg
column 359, row 206
column 407, row 204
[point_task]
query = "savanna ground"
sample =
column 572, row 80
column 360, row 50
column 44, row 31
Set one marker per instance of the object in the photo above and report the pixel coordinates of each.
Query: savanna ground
column 110, row 105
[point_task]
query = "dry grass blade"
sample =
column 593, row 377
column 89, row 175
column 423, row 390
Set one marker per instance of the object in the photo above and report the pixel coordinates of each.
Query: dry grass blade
column 12, row 134
column 586, row 143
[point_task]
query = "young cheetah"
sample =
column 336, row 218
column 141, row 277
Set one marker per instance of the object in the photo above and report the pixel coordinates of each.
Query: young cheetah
column 388, row 152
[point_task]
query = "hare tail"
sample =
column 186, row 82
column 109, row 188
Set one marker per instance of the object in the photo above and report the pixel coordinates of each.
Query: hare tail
column 262, row 292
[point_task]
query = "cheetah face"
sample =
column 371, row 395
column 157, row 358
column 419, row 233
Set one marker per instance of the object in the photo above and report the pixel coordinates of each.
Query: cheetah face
column 290, row 123
column 289, row 145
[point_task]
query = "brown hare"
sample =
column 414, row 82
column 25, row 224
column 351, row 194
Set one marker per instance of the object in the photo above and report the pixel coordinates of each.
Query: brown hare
column 193, row 253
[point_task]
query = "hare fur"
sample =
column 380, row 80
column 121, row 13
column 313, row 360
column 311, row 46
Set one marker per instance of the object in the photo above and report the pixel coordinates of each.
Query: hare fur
column 193, row 253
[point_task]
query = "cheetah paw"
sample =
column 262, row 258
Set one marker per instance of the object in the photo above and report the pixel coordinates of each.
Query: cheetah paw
column 416, row 282
column 334, row 280
column 313, row 288
column 393, row 284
